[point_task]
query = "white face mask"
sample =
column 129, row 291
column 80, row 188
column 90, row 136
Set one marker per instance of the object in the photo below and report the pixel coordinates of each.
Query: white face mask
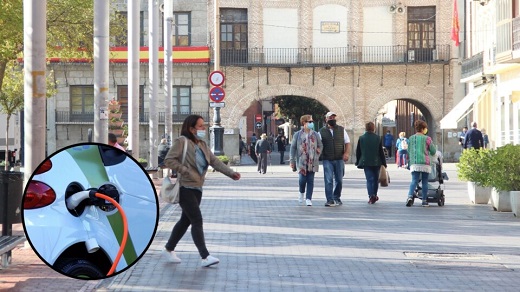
column 201, row 134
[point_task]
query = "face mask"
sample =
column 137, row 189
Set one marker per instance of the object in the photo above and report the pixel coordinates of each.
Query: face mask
column 310, row 126
column 331, row 123
column 425, row 131
column 201, row 134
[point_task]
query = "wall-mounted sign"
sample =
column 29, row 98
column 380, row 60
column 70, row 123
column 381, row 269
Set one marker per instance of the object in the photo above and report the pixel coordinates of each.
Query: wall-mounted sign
column 329, row 27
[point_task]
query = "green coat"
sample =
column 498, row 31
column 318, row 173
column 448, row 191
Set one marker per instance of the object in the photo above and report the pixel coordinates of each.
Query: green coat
column 369, row 151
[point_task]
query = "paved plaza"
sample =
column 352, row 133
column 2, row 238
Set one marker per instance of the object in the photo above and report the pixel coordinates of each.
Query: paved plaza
column 266, row 241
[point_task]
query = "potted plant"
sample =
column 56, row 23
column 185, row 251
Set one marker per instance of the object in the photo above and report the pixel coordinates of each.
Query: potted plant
column 113, row 105
column 505, row 179
column 142, row 161
column 116, row 122
column 224, row 159
column 473, row 167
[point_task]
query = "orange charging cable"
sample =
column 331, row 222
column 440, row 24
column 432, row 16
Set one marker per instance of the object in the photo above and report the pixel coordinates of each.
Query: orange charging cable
column 125, row 231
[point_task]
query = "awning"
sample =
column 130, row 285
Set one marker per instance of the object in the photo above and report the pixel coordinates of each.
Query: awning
column 451, row 120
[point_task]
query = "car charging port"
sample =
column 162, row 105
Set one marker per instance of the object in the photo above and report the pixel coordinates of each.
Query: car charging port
column 107, row 189
column 78, row 199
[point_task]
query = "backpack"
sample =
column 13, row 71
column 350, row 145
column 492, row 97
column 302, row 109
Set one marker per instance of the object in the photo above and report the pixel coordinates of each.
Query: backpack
column 404, row 144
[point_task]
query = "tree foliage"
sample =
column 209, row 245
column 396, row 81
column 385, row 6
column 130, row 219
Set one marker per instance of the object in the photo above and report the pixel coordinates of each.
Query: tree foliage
column 70, row 34
column 70, row 30
column 293, row 107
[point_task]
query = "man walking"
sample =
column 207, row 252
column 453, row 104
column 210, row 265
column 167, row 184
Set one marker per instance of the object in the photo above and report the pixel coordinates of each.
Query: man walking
column 262, row 148
column 280, row 143
column 462, row 136
column 336, row 151
column 474, row 138
column 389, row 141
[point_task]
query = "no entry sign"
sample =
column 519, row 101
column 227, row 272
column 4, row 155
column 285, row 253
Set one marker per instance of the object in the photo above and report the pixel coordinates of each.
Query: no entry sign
column 217, row 94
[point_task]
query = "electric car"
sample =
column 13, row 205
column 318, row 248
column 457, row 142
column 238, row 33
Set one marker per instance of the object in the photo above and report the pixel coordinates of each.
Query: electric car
column 77, row 205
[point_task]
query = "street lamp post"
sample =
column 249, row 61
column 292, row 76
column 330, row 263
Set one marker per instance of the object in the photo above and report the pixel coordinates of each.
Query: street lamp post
column 217, row 131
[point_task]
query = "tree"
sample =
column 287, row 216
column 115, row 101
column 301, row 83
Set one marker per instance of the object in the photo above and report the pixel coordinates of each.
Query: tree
column 293, row 107
column 70, row 29
column 11, row 101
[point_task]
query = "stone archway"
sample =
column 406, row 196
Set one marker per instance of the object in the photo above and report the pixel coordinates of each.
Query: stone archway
column 232, row 113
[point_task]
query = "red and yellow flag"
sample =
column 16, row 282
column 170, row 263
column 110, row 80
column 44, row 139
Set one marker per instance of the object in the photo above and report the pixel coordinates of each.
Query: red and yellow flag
column 455, row 24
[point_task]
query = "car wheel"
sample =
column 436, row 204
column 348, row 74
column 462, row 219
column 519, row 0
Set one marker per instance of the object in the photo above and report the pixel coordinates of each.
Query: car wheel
column 78, row 268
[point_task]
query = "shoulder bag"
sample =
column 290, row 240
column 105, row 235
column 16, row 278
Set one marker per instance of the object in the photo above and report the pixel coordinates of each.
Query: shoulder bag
column 170, row 190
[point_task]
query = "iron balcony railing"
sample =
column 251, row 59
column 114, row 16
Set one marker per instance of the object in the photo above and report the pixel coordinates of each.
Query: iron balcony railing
column 516, row 34
column 473, row 65
column 68, row 117
column 306, row 57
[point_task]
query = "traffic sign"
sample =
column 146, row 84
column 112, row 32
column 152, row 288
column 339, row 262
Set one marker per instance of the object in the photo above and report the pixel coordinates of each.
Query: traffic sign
column 259, row 125
column 217, row 104
column 217, row 94
column 216, row 78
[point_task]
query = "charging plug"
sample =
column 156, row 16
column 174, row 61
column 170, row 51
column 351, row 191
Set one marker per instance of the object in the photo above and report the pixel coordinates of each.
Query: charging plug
column 106, row 189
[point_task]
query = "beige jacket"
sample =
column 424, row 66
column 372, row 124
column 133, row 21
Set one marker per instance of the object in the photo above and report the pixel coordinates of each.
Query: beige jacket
column 190, row 176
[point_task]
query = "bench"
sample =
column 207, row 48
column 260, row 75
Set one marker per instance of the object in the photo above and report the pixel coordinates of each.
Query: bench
column 7, row 244
column 151, row 170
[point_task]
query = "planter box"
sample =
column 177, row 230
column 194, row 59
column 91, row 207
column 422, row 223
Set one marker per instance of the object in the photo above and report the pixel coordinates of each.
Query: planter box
column 116, row 124
column 515, row 202
column 501, row 201
column 117, row 132
column 478, row 194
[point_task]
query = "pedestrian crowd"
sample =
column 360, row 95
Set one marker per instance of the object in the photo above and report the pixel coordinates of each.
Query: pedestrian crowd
column 308, row 148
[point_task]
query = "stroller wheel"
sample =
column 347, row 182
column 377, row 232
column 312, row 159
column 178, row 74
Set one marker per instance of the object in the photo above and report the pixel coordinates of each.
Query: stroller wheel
column 441, row 201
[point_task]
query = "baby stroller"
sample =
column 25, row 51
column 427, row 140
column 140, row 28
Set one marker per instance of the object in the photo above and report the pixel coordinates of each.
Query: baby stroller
column 436, row 178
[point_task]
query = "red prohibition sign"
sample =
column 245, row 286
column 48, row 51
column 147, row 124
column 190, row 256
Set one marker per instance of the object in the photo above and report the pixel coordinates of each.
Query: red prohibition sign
column 216, row 78
column 217, row 94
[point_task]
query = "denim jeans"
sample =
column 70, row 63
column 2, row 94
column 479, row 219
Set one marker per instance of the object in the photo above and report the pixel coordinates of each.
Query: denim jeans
column 416, row 176
column 306, row 180
column 372, row 176
column 402, row 158
column 333, row 171
column 189, row 201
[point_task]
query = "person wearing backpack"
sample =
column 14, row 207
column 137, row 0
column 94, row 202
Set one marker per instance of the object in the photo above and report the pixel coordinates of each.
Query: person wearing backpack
column 402, row 150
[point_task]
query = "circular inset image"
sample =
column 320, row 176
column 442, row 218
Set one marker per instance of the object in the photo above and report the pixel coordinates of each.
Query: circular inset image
column 90, row 211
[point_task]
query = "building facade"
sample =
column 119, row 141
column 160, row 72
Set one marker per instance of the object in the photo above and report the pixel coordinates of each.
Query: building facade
column 354, row 57
column 490, row 70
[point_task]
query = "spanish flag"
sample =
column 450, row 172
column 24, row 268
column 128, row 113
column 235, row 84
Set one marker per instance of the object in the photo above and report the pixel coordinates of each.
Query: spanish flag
column 455, row 24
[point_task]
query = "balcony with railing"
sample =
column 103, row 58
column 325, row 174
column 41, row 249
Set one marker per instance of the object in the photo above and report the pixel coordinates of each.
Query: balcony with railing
column 316, row 57
column 68, row 117
column 472, row 66
column 516, row 39
column 507, row 41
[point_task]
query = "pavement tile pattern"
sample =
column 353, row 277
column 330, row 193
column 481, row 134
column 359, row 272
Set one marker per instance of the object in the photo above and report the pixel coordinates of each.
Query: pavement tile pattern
column 267, row 241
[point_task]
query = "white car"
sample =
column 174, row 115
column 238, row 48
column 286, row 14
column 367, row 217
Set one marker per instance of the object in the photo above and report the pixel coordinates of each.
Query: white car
column 81, row 235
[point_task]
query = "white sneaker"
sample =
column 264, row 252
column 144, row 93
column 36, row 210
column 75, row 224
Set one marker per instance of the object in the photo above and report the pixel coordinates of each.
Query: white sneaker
column 209, row 261
column 308, row 202
column 300, row 199
column 172, row 257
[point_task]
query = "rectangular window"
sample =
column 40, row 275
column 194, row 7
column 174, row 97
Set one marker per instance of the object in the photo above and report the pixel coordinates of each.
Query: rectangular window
column 82, row 103
column 122, row 97
column 421, row 33
column 233, row 36
column 181, row 29
column 181, row 100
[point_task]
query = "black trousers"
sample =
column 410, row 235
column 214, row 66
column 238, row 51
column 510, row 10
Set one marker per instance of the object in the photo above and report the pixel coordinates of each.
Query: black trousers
column 189, row 201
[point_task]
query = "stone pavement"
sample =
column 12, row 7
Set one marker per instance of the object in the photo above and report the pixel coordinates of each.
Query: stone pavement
column 266, row 241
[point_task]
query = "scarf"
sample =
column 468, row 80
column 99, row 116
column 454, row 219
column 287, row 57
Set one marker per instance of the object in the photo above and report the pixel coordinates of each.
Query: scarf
column 307, row 150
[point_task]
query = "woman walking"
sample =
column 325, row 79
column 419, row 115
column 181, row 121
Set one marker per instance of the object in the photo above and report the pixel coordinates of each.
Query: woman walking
column 370, row 156
column 305, row 152
column 420, row 149
column 193, row 172
column 402, row 150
